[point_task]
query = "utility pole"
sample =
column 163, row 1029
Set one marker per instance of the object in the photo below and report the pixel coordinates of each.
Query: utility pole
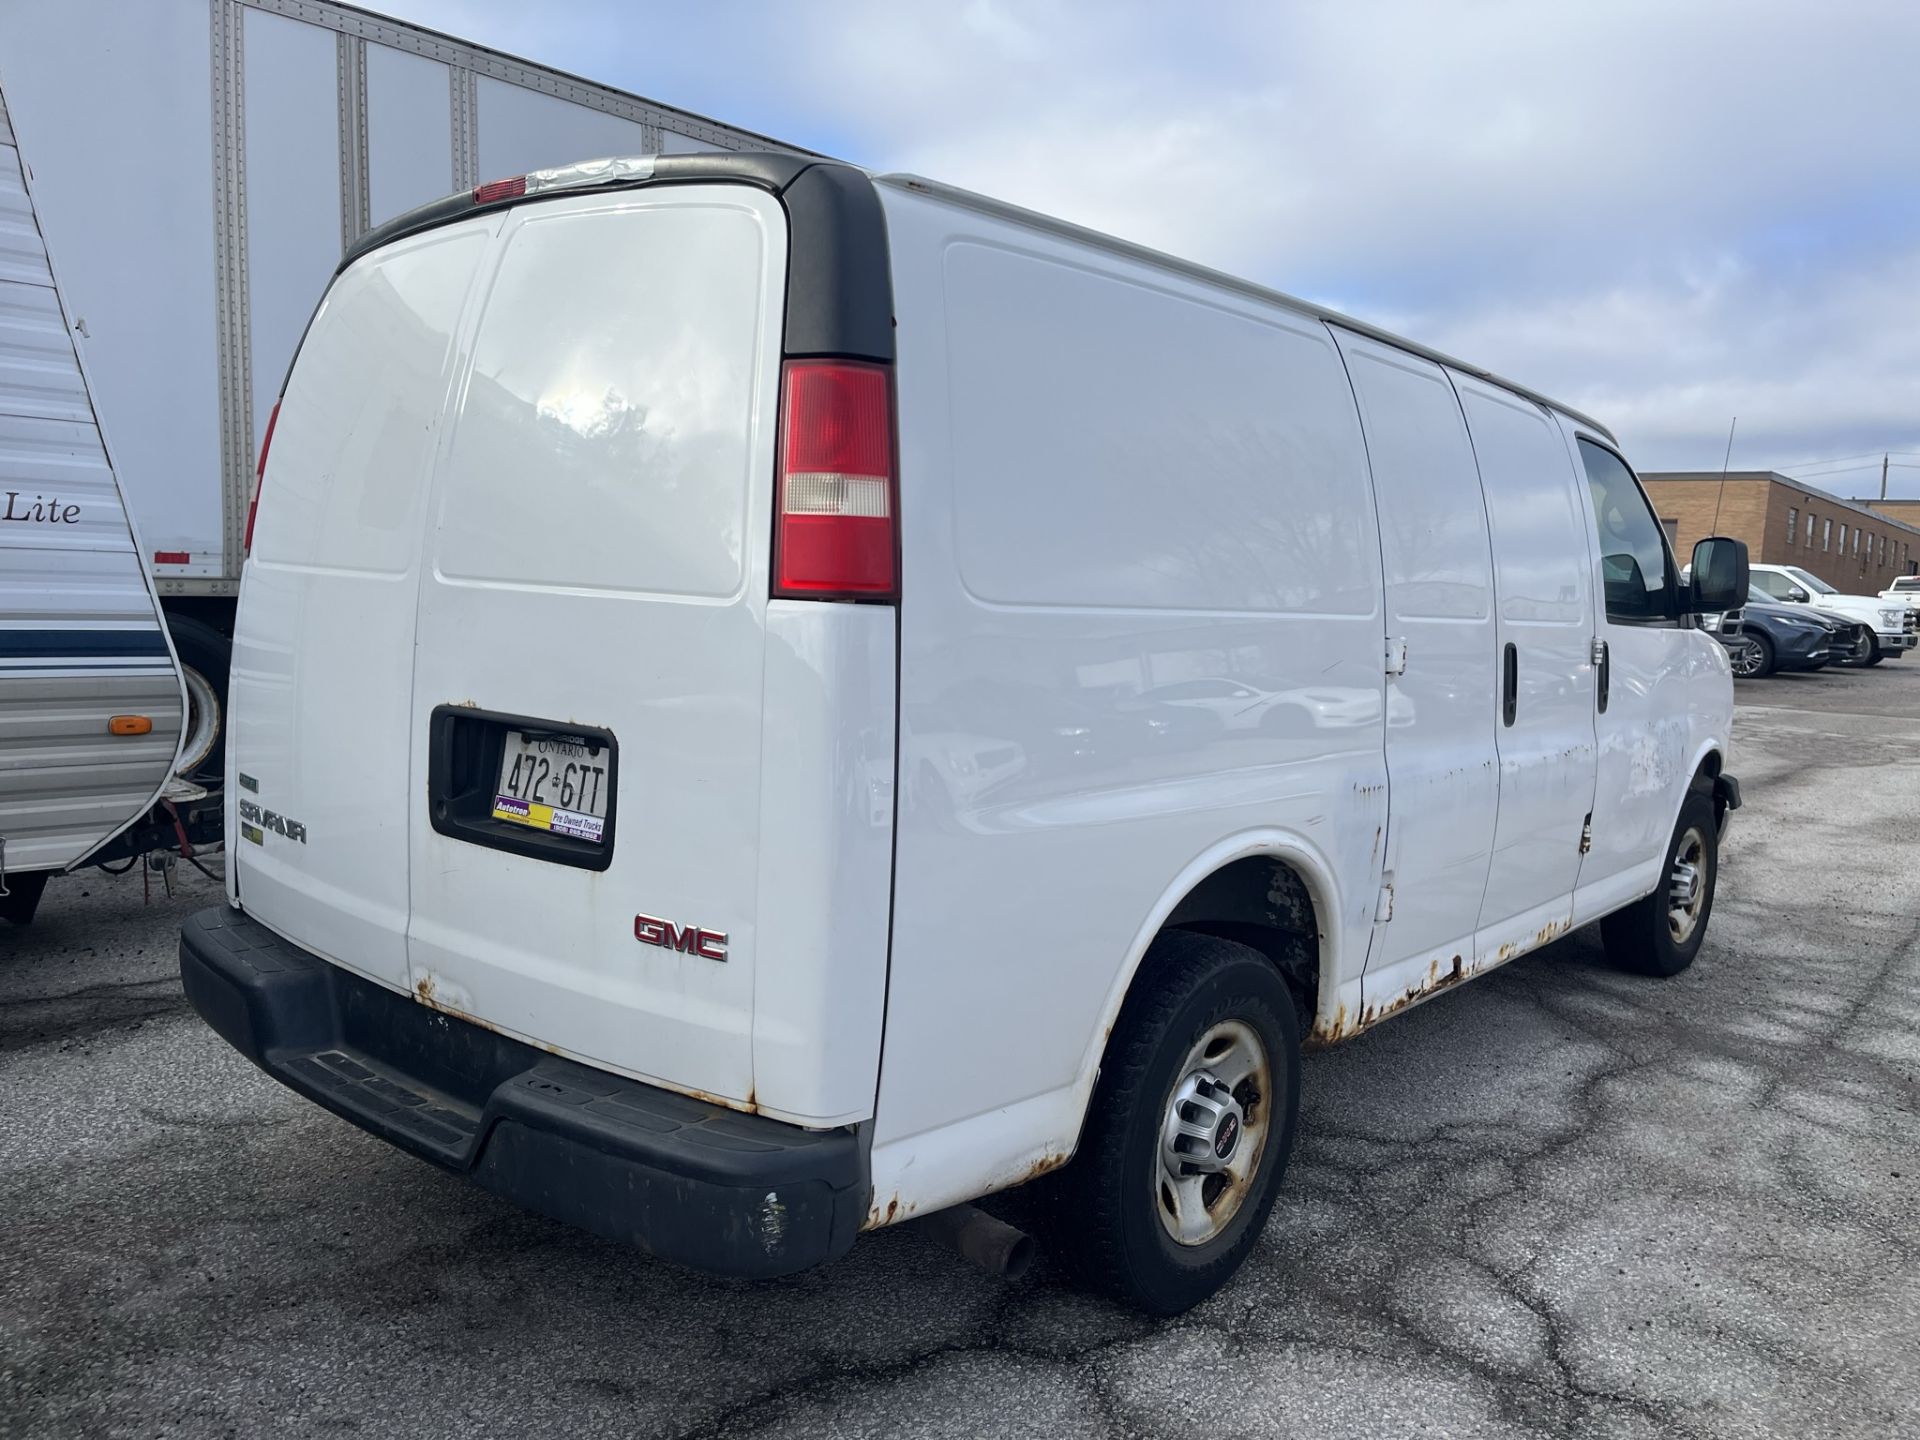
column 1883, row 477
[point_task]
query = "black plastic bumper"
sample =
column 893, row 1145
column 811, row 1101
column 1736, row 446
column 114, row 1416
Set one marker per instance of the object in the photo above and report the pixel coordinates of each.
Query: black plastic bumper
column 1726, row 800
column 691, row 1182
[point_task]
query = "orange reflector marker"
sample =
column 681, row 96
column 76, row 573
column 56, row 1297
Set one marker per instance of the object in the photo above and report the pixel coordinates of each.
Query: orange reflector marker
column 129, row 725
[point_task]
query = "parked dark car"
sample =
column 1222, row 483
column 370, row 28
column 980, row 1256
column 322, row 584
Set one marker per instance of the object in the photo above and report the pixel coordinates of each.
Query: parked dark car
column 1772, row 637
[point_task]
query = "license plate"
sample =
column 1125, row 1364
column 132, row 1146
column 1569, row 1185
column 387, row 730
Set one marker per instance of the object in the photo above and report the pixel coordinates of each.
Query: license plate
column 556, row 783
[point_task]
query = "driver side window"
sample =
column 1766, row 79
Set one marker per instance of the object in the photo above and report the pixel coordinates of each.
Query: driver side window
column 1635, row 565
column 1776, row 585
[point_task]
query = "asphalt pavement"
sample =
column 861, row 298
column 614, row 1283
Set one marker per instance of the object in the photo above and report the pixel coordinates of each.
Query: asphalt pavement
column 1557, row 1201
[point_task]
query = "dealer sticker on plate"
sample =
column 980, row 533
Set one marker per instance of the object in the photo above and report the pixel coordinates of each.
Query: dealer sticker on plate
column 556, row 783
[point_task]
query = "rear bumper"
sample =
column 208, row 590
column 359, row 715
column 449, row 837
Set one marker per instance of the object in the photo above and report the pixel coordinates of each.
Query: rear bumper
column 688, row 1181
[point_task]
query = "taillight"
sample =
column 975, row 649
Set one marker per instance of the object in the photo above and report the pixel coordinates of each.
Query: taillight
column 834, row 537
column 511, row 189
column 260, row 475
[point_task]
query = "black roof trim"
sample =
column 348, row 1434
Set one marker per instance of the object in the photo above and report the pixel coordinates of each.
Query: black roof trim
column 839, row 283
column 768, row 169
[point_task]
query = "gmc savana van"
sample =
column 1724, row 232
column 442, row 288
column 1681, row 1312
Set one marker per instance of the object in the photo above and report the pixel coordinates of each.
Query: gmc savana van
column 770, row 701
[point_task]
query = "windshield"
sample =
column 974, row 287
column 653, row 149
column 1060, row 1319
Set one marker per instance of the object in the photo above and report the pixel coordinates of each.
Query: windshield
column 1812, row 582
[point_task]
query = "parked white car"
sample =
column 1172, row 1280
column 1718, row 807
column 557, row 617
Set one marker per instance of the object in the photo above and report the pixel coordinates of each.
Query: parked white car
column 1905, row 589
column 621, row 524
column 1893, row 624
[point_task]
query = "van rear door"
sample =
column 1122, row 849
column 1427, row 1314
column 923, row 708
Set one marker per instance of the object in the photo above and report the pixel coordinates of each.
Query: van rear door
column 587, row 687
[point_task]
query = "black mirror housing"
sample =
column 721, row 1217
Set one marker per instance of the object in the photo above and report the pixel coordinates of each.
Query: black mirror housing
column 1720, row 576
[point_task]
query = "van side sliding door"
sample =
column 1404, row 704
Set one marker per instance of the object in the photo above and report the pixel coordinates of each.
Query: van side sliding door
column 1543, row 584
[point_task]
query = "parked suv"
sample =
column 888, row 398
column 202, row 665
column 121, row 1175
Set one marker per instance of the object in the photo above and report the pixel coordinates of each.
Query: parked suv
column 1892, row 624
column 628, row 532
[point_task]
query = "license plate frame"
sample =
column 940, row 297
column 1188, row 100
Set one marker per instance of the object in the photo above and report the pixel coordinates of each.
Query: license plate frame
column 465, row 749
column 553, row 782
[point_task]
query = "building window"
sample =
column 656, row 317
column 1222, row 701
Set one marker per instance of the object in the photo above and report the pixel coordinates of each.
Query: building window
column 1809, row 541
column 1826, row 533
column 1883, row 549
column 1843, row 539
column 1793, row 521
column 1856, row 542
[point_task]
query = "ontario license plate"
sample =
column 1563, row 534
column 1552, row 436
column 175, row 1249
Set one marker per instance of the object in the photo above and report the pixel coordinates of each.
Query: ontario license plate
column 556, row 783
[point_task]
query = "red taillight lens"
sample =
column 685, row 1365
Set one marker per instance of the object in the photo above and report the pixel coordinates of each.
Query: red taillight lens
column 835, row 533
column 493, row 190
column 260, row 475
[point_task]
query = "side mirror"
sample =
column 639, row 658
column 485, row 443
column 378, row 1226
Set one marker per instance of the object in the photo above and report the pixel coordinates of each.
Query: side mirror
column 1720, row 577
column 1798, row 596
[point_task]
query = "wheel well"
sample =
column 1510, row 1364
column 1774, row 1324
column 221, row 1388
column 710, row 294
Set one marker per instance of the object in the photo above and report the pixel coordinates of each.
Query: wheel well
column 1261, row 902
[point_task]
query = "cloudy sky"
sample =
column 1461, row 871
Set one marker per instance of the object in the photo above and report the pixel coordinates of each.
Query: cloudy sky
column 1668, row 212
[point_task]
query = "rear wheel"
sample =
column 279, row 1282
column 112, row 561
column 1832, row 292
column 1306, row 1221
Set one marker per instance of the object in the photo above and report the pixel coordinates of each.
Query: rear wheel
column 1754, row 659
column 23, row 897
column 1661, row 934
column 205, row 656
column 1189, row 1130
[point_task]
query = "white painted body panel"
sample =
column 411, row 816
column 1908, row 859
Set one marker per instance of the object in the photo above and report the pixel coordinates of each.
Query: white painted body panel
column 80, row 634
column 524, row 464
column 322, row 679
column 1442, row 756
column 1543, row 586
column 1084, row 520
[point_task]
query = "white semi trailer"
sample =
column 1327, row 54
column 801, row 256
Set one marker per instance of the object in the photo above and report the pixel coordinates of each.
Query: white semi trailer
column 200, row 166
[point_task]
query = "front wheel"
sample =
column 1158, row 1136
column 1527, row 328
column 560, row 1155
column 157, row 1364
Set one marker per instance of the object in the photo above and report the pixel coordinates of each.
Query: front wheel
column 1189, row 1129
column 1754, row 659
column 1661, row 934
column 1874, row 653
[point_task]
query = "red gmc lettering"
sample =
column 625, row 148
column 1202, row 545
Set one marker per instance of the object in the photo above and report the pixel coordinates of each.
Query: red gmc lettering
column 707, row 944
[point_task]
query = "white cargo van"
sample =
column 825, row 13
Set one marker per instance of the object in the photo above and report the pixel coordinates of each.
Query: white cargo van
column 714, row 744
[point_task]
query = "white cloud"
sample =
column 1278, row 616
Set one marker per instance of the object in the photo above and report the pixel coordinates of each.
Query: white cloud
column 1670, row 213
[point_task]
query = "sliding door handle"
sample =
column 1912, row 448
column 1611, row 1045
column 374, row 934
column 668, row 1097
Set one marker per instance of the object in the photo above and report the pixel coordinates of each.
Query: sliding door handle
column 1509, row 684
column 1603, row 666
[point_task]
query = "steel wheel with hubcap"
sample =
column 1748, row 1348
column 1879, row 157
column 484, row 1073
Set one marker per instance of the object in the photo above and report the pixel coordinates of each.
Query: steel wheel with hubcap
column 1214, row 1132
column 1188, row 1131
column 1661, row 934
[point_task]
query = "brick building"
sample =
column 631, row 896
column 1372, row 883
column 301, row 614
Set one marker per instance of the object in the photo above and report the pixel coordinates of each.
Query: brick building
column 1847, row 543
column 1906, row 511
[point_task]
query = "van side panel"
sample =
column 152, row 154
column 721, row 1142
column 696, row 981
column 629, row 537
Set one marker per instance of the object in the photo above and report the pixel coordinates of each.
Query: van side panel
column 1442, row 712
column 322, row 674
column 1140, row 615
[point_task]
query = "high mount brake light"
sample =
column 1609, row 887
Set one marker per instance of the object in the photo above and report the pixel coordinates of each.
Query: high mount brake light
column 614, row 170
column 834, row 510
column 260, row 476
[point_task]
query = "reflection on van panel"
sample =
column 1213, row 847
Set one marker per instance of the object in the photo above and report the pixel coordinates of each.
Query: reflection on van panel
column 1045, row 684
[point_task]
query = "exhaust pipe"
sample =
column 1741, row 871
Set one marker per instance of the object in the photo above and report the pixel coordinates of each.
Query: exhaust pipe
column 974, row 1235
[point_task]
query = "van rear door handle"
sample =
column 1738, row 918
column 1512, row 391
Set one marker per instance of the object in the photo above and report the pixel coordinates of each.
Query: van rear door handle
column 1510, row 685
column 1603, row 663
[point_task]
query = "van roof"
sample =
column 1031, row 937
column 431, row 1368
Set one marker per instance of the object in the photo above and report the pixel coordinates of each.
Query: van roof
column 1035, row 219
column 776, row 171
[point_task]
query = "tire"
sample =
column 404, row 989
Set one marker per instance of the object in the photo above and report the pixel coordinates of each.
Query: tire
column 1875, row 654
column 23, row 897
column 1645, row 938
column 206, row 655
column 1754, row 660
column 1105, row 1211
